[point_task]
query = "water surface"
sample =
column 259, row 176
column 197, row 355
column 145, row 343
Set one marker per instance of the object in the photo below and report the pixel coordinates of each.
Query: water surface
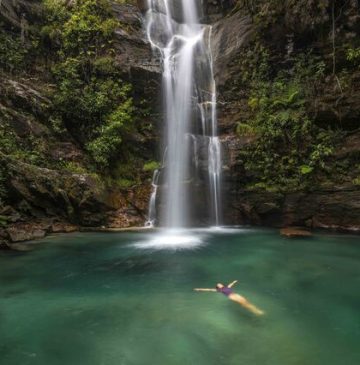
column 108, row 299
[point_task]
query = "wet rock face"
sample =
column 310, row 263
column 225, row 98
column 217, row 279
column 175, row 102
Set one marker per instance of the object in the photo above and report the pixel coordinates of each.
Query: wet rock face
column 329, row 209
column 175, row 8
column 328, row 206
column 335, row 107
column 52, row 193
column 48, row 201
column 229, row 37
column 134, row 56
column 132, row 47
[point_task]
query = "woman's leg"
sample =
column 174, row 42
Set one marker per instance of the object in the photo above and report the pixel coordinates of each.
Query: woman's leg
column 246, row 304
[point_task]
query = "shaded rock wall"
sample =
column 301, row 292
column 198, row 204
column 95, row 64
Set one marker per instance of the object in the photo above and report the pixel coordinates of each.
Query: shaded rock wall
column 41, row 200
column 330, row 204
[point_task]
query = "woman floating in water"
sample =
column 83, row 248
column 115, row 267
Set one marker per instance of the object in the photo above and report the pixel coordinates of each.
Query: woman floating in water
column 226, row 290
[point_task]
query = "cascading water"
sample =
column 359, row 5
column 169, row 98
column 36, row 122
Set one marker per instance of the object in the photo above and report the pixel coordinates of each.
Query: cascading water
column 189, row 90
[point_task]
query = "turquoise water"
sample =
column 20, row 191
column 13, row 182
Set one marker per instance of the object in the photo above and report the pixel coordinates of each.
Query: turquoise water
column 105, row 299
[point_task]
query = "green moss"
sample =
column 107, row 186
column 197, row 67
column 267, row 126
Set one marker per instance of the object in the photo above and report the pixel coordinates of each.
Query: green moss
column 125, row 183
column 306, row 169
column 243, row 129
column 151, row 166
column 3, row 220
column 29, row 149
column 74, row 167
column 356, row 181
column 263, row 186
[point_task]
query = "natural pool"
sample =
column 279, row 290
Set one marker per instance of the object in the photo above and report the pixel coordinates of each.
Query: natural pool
column 107, row 299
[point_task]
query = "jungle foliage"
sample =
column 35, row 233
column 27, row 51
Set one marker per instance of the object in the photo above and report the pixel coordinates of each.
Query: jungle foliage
column 12, row 52
column 288, row 148
column 91, row 99
column 3, row 189
column 298, row 54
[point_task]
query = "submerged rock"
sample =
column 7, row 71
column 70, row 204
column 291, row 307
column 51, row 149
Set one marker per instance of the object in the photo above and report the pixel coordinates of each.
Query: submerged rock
column 22, row 247
column 293, row 232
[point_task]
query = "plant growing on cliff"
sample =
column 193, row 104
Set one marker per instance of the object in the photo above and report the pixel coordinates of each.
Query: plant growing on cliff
column 12, row 52
column 3, row 189
column 105, row 147
column 353, row 55
column 87, row 77
column 289, row 148
column 151, row 166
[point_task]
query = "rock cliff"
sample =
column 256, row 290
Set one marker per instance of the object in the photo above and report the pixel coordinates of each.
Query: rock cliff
column 287, row 33
column 247, row 36
column 47, row 183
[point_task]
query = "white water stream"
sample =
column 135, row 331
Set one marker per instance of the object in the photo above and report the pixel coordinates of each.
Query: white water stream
column 174, row 31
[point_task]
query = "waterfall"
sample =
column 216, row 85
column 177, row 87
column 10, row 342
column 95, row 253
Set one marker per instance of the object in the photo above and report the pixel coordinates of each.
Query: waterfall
column 152, row 203
column 189, row 91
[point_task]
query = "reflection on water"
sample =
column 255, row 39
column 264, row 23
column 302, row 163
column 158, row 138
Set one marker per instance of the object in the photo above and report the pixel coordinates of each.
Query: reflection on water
column 104, row 299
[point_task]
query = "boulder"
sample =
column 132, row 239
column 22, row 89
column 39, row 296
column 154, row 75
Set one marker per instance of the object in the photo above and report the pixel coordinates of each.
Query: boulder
column 63, row 227
column 22, row 95
column 25, row 232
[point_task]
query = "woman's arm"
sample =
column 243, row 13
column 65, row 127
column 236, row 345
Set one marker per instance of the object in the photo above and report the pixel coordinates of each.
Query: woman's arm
column 202, row 289
column 232, row 284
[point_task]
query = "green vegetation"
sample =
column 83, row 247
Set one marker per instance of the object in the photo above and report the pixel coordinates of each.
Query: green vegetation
column 29, row 149
column 151, row 166
column 68, row 55
column 124, row 176
column 74, row 167
column 74, row 49
column 353, row 55
column 91, row 99
column 3, row 189
column 288, row 149
column 302, row 61
column 12, row 52
column 356, row 181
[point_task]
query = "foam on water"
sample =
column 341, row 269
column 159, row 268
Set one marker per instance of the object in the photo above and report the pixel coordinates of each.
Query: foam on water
column 172, row 239
column 184, row 239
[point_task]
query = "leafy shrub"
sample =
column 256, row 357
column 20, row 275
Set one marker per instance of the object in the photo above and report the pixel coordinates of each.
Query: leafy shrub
column 12, row 52
column 106, row 145
column 3, row 189
column 356, row 181
column 91, row 100
column 289, row 149
column 125, row 183
column 353, row 55
column 74, row 167
column 151, row 166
